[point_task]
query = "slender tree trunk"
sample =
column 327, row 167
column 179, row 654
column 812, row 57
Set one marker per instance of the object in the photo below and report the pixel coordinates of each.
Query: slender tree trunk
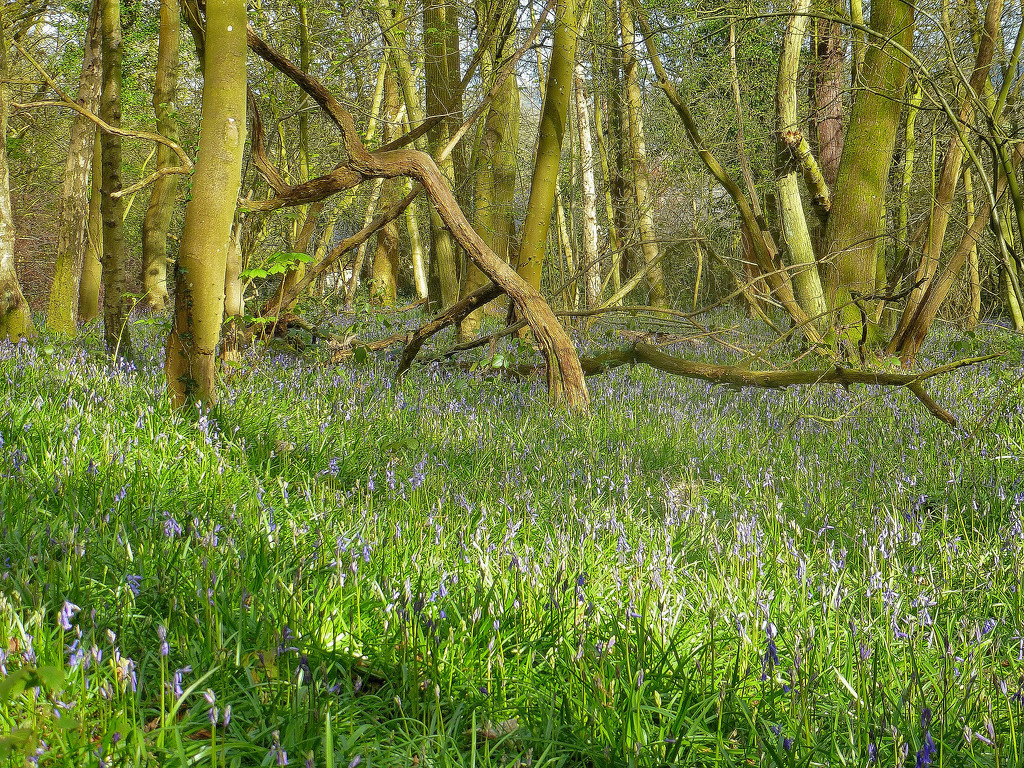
column 384, row 282
column 15, row 317
column 589, row 259
column 910, row 142
column 638, row 159
column 949, row 176
column 92, row 267
column 806, row 280
column 157, row 221
column 852, row 235
column 116, row 304
column 202, row 260
column 391, row 18
column 939, row 288
column 72, row 210
column 973, row 267
column 557, row 92
column 614, row 243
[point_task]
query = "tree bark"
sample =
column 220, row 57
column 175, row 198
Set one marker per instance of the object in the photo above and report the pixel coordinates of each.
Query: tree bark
column 806, row 280
column 116, row 304
column 202, row 259
column 384, row 281
column 589, row 261
column 853, row 234
column 15, row 316
column 439, row 80
column 72, row 213
column 92, row 268
column 157, row 222
column 554, row 113
column 637, row 158
column 495, row 188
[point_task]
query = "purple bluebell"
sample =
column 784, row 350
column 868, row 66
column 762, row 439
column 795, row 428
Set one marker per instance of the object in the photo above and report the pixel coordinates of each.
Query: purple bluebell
column 67, row 612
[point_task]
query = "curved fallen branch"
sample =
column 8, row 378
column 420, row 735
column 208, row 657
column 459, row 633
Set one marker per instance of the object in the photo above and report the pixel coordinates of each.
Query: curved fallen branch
column 740, row 377
column 565, row 378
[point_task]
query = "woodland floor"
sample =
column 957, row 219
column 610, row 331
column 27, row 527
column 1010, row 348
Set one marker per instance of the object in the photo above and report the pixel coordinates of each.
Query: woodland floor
column 447, row 572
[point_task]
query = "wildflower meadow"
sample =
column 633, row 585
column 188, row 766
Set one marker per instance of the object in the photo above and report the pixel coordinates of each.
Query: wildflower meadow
column 331, row 569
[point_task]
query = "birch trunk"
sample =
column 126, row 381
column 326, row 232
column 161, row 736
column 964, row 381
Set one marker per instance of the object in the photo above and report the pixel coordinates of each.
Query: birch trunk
column 589, row 261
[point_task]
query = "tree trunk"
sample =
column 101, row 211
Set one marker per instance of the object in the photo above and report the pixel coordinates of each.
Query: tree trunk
column 827, row 85
column 92, row 268
column 806, row 280
column 438, row 78
column 234, row 299
column 61, row 316
column 384, row 282
column 495, row 188
column 939, row 288
column 950, row 176
column 161, row 205
column 202, row 259
column 637, row 158
column 15, row 316
column 973, row 267
column 614, row 244
column 116, row 304
column 554, row 112
column 589, row 260
column 853, row 234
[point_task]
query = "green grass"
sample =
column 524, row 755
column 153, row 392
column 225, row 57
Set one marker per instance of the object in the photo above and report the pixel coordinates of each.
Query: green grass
column 447, row 572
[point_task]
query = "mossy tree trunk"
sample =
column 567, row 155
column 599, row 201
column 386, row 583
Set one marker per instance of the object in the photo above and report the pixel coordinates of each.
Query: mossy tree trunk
column 806, row 280
column 202, row 257
column 72, row 212
column 557, row 93
column 637, row 159
column 116, row 303
column 495, row 184
column 853, row 233
column 157, row 222
column 441, row 81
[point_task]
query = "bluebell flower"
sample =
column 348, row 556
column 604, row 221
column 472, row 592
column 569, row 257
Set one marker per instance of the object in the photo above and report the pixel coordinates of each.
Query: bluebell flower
column 67, row 612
